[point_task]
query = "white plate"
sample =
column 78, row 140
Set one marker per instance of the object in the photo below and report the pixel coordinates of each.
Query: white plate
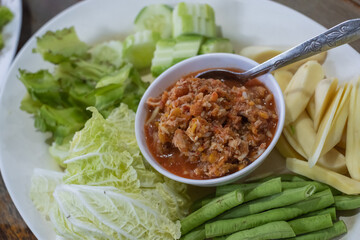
column 11, row 34
column 245, row 22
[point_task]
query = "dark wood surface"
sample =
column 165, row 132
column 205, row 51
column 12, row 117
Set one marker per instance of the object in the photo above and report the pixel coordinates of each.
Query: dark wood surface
column 37, row 12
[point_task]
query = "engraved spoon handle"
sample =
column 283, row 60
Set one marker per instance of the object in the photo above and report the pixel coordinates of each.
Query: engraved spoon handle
column 342, row 33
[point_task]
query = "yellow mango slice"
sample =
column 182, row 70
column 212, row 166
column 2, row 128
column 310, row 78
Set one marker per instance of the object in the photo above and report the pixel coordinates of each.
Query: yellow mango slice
column 320, row 58
column 288, row 134
column 324, row 128
column 317, row 173
column 259, row 54
column 283, row 78
column 334, row 161
column 300, row 89
column 342, row 143
column 339, row 121
column 302, row 130
column 285, row 149
column 310, row 108
column 353, row 133
column 324, row 93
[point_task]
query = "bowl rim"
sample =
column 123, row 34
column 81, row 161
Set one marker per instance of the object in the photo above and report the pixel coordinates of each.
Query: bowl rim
column 280, row 102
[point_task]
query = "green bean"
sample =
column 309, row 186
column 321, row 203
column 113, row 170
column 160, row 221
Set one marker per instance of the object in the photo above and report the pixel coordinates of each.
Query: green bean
column 211, row 210
column 319, row 186
column 311, row 224
column 347, row 202
column 264, row 189
column 315, row 202
column 198, row 203
column 330, row 210
column 284, row 198
column 273, row 230
column 285, row 178
column 196, row 234
column 224, row 189
column 336, row 230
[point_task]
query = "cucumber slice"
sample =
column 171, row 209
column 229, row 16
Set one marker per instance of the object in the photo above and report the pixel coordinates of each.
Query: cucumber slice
column 186, row 47
column 139, row 48
column 193, row 18
column 163, row 56
column 157, row 18
column 214, row 45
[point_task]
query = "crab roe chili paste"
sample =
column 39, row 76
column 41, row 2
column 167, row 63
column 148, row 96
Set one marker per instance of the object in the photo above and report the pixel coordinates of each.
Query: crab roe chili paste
column 208, row 128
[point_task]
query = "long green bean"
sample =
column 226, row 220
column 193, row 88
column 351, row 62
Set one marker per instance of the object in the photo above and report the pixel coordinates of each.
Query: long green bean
column 315, row 202
column 284, row 178
column 319, row 186
column 330, row 210
column 284, row 198
column 196, row 234
column 311, row 224
column 336, row 230
column 347, row 202
column 211, row 210
column 273, row 230
column 253, row 190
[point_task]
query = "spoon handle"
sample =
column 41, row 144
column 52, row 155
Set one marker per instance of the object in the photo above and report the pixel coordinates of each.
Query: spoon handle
column 342, row 33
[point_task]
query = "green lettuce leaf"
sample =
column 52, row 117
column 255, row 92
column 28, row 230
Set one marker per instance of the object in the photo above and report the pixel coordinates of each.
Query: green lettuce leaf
column 61, row 45
column 110, row 53
column 108, row 213
column 43, row 184
column 5, row 16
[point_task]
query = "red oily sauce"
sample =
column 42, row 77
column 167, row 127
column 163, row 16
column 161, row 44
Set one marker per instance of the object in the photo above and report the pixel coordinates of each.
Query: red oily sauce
column 209, row 128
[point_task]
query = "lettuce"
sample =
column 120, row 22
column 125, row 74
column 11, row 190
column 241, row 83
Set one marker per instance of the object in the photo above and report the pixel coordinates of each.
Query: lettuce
column 43, row 184
column 60, row 46
column 88, row 212
column 108, row 191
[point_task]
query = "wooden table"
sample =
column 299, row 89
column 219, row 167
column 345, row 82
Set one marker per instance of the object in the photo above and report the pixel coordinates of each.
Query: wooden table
column 37, row 12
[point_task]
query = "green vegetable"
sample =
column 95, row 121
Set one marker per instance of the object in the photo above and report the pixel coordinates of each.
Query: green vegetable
column 285, row 178
column 43, row 184
column 193, row 18
column 253, row 190
column 330, row 210
column 196, row 234
column 347, row 202
column 83, row 212
column 319, row 186
column 60, row 46
column 315, row 202
column 186, row 47
column 273, row 230
column 284, row 198
column 60, row 152
column 5, row 16
column 336, row 230
column 311, row 224
column 139, row 48
column 110, row 53
column 211, row 210
column 216, row 45
column 155, row 17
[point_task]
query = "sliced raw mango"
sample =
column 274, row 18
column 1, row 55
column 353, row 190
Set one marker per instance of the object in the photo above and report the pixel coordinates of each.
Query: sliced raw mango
column 300, row 89
column 353, row 133
column 334, row 161
column 324, row 93
column 302, row 131
column 283, row 78
column 259, row 54
column 289, row 136
column 320, row 58
column 317, row 173
column 342, row 143
column 339, row 121
column 324, row 128
column 310, row 108
column 285, row 149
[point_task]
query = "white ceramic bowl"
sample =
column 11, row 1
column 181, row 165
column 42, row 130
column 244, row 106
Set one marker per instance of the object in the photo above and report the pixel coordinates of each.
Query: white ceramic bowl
column 173, row 74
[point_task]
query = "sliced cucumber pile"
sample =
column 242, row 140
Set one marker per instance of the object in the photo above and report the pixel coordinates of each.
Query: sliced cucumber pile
column 157, row 18
column 166, row 36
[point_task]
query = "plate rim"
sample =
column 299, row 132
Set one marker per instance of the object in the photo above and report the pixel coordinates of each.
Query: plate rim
column 17, row 202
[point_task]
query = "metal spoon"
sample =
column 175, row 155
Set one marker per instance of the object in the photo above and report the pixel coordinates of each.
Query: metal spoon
column 342, row 33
